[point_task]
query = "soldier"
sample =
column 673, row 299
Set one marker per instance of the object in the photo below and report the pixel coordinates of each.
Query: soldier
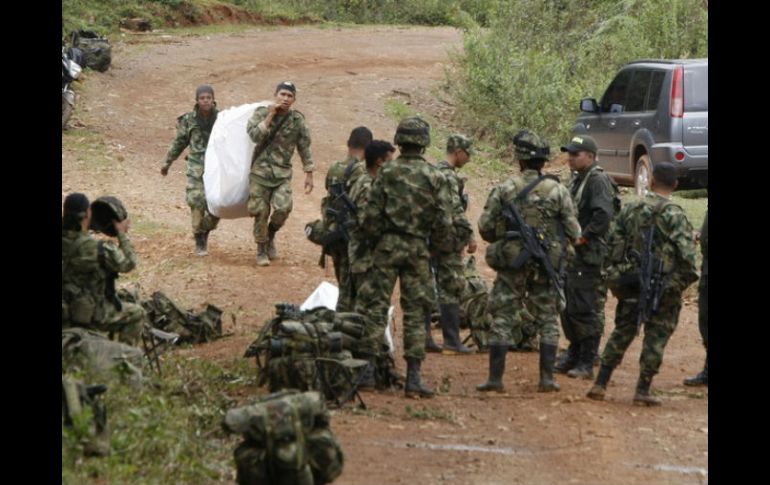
column 593, row 193
column 523, row 290
column 193, row 129
column 277, row 130
column 702, row 379
column 89, row 269
column 673, row 264
column 409, row 205
column 339, row 179
column 448, row 266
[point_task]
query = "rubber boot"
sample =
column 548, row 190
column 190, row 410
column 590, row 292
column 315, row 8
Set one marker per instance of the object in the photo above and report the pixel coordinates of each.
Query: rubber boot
column 600, row 386
column 272, row 253
column 567, row 359
column 702, row 379
column 496, row 368
column 414, row 387
column 262, row 259
column 585, row 366
column 450, row 328
column 201, row 243
column 430, row 344
column 547, row 361
column 642, row 396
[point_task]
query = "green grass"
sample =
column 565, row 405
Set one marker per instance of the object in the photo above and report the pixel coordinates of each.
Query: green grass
column 431, row 414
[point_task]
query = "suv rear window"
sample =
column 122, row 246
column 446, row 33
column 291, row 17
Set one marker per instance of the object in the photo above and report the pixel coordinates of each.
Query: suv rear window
column 696, row 88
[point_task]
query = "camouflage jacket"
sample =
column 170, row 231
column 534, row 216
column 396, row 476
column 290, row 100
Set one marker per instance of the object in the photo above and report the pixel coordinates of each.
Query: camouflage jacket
column 593, row 193
column 192, row 131
column 673, row 240
column 273, row 165
column 462, row 227
column 409, row 197
column 85, row 272
column 359, row 249
column 336, row 175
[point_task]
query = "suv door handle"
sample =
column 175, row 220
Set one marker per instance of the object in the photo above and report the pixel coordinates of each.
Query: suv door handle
column 612, row 123
column 637, row 122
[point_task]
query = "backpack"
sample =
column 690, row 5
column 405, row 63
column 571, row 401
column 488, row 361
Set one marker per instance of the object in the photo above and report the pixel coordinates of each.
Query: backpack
column 287, row 441
column 473, row 305
column 97, row 51
column 91, row 351
column 164, row 314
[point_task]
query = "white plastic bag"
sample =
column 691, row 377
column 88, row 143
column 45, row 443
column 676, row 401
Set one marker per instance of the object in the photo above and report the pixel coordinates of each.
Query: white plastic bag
column 228, row 162
column 325, row 295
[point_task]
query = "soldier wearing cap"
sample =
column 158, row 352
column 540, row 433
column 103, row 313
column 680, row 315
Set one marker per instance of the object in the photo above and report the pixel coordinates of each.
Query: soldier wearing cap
column 594, row 195
column 277, row 131
column 448, row 266
column 523, row 292
column 89, row 269
column 193, row 129
column 406, row 221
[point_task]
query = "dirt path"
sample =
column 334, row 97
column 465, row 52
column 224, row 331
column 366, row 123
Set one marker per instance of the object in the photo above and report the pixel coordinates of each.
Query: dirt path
column 344, row 77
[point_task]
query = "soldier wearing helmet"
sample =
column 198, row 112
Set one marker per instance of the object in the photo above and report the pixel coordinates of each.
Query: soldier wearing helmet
column 407, row 216
column 523, row 292
column 90, row 267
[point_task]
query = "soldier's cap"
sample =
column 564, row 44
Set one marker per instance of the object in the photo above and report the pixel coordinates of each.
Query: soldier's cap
column 104, row 211
column 204, row 88
column 461, row 142
column 580, row 143
column 288, row 85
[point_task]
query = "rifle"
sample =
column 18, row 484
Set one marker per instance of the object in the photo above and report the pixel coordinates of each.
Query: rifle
column 651, row 278
column 341, row 216
column 535, row 245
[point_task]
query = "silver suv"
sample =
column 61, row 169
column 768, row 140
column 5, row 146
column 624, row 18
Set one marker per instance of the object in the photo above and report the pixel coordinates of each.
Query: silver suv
column 653, row 111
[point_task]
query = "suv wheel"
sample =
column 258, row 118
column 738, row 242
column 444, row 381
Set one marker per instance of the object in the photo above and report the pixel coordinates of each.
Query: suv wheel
column 643, row 175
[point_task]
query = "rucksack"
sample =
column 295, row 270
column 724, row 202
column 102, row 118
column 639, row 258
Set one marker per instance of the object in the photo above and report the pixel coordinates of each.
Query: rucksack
column 88, row 350
column 287, row 441
column 192, row 327
column 97, row 51
column 473, row 305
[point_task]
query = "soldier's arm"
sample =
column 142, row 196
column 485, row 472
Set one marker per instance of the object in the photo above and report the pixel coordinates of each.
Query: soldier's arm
column 303, row 147
column 181, row 141
column 680, row 234
column 372, row 222
column 490, row 215
column 121, row 258
column 443, row 229
column 257, row 126
column 601, row 206
column 568, row 215
column 616, row 237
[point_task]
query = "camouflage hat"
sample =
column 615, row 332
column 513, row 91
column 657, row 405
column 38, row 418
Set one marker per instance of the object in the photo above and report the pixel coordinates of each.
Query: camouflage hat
column 580, row 143
column 415, row 131
column 461, row 142
column 104, row 211
column 529, row 146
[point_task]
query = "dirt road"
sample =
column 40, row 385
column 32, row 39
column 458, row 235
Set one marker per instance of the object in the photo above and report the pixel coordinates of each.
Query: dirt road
column 344, row 77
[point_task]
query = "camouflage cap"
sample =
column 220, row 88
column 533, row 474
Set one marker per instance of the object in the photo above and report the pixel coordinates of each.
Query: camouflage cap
column 415, row 131
column 104, row 211
column 461, row 142
column 580, row 143
column 529, row 146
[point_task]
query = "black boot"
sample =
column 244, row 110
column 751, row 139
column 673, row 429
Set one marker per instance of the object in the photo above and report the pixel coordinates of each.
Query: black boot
column 430, row 344
column 201, row 243
column 585, row 366
column 642, row 396
column 702, row 379
column 547, row 361
column 600, row 386
column 450, row 327
column 496, row 368
column 262, row 259
column 271, row 251
column 414, row 387
column 367, row 380
column 568, row 359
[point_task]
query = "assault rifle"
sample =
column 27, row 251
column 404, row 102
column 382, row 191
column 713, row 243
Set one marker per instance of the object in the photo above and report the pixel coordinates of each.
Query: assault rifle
column 651, row 278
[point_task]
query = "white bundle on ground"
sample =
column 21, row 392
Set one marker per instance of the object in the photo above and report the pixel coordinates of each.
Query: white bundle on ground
column 228, row 162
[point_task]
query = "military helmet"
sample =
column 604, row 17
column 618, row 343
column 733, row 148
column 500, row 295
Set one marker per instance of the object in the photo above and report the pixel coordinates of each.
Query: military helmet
column 529, row 146
column 104, row 211
column 461, row 142
column 415, row 131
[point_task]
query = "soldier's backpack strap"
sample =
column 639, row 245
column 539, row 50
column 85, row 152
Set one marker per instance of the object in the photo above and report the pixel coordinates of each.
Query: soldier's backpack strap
column 260, row 148
column 526, row 190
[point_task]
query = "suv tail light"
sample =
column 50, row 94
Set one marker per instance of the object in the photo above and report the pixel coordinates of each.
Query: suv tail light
column 677, row 93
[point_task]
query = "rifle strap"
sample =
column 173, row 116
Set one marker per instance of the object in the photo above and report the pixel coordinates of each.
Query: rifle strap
column 259, row 149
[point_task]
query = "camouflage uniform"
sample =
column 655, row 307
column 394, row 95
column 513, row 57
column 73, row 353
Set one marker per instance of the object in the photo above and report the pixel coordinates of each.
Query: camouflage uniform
column 87, row 265
column 194, row 131
column 270, row 177
column 339, row 250
column 359, row 250
column 678, row 253
column 703, row 304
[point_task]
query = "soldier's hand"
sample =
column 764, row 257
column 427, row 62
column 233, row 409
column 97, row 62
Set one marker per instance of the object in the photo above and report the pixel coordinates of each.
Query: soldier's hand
column 164, row 171
column 696, row 236
column 122, row 226
column 472, row 246
column 308, row 182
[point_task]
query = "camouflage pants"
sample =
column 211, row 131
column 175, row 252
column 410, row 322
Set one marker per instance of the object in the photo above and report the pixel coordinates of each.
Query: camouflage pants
column 580, row 319
column 344, row 278
column 520, row 298
column 703, row 309
column 405, row 258
column 656, row 333
column 450, row 278
column 202, row 219
column 128, row 322
column 601, row 301
column 263, row 197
